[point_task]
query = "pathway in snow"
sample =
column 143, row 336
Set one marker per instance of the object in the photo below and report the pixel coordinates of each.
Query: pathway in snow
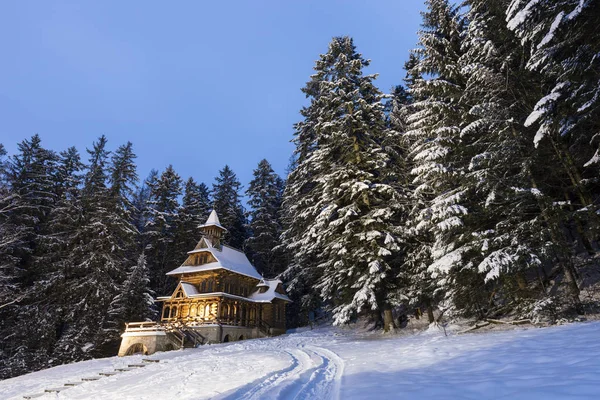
column 553, row 363
column 314, row 373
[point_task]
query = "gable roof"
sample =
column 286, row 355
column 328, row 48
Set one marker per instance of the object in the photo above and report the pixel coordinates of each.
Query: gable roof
column 270, row 294
column 227, row 258
column 188, row 289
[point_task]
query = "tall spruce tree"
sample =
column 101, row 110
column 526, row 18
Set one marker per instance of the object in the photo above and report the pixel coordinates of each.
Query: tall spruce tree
column 265, row 195
column 8, row 233
column 194, row 210
column 135, row 301
column 226, row 199
column 94, row 266
column 161, row 228
column 436, row 83
column 26, row 212
column 561, row 39
column 506, row 231
column 357, row 226
column 140, row 213
column 123, row 179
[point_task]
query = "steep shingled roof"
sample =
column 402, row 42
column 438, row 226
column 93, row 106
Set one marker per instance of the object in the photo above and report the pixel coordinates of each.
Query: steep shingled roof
column 227, row 258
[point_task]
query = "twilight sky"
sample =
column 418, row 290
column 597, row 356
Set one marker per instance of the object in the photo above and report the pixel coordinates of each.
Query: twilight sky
column 196, row 84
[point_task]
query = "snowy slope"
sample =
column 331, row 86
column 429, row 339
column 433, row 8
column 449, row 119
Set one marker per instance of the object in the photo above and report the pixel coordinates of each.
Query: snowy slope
column 552, row 363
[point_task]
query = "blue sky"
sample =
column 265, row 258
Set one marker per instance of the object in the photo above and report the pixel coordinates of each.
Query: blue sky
column 196, row 84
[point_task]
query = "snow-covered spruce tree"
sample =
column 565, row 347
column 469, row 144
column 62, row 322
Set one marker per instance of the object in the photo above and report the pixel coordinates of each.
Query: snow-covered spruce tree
column 29, row 198
column 54, row 250
column 505, row 233
column 94, row 265
column 226, row 199
column 299, row 210
column 439, row 161
column 265, row 195
column 9, row 234
column 194, row 210
column 357, row 228
column 135, row 301
column 160, row 229
column 140, row 214
column 123, row 180
column 562, row 41
column 31, row 180
column 562, row 38
column 418, row 284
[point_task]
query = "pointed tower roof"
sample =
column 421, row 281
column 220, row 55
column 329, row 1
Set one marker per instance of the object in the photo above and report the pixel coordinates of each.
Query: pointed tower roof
column 213, row 220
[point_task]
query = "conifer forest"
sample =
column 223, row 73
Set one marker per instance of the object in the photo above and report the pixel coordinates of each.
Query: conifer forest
column 470, row 190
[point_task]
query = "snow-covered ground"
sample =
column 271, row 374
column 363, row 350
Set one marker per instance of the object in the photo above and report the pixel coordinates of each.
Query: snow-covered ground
column 551, row 363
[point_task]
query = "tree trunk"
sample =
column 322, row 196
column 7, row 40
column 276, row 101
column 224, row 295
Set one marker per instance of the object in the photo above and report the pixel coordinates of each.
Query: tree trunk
column 521, row 281
column 430, row 312
column 388, row 318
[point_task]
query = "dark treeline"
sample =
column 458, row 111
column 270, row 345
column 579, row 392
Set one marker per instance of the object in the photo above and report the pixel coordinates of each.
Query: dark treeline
column 85, row 246
column 469, row 191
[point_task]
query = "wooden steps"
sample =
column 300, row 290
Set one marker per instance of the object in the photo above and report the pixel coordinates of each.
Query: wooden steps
column 108, row 373
column 69, row 385
column 56, row 389
column 90, row 378
column 34, row 396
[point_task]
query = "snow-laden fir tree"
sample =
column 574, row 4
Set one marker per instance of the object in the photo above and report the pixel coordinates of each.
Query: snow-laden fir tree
column 161, row 227
column 265, row 195
column 298, row 212
column 30, row 195
column 31, row 180
column 123, row 180
column 194, row 210
column 140, row 213
column 226, row 198
column 438, row 159
column 135, row 300
column 357, row 226
column 417, row 281
column 504, row 236
column 94, row 260
column 8, row 234
column 36, row 341
column 562, row 40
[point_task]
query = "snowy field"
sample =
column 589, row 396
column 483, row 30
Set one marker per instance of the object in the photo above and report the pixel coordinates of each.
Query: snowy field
column 551, row 363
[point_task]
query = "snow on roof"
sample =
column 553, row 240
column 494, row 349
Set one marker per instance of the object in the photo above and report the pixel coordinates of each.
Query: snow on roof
column 213, row 220
column 227, row 258
column 189, row 289
column 270, row 294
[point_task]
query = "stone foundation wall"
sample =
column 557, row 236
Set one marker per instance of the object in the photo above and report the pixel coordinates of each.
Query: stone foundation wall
column 151, row 342
column 160, row 341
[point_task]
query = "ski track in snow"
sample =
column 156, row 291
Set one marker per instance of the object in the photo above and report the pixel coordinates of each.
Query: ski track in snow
column 328, row 363
column 314, row 373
